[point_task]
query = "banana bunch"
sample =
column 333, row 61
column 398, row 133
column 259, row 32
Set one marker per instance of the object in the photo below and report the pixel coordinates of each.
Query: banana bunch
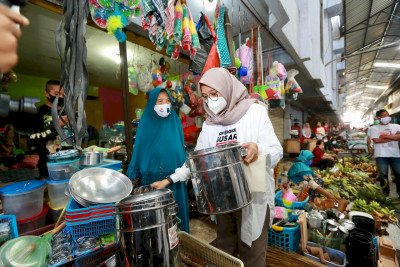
column 383, row 214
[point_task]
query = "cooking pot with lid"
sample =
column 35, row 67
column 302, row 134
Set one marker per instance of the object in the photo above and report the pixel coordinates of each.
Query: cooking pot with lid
column 219, row 179
column 147, row 230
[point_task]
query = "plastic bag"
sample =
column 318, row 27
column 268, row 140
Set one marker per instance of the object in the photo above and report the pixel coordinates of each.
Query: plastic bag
column 133, row 80
column 144, row 78
column 198, row 61
column 246, row 59
column 292, row 88
column 29, row 251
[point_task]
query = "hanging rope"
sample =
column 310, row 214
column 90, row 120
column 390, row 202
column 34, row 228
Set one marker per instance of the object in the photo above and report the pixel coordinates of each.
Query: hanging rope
column 74, row 75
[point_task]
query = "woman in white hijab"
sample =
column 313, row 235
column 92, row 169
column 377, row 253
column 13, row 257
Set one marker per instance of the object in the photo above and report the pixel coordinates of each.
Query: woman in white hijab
column 232, row 116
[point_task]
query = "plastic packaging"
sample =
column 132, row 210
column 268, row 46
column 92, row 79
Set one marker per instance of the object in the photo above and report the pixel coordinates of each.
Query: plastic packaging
column 27, row 251
column 63, row 170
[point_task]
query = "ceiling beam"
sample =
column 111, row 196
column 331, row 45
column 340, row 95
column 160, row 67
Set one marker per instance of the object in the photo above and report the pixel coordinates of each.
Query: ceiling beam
column 130, row 36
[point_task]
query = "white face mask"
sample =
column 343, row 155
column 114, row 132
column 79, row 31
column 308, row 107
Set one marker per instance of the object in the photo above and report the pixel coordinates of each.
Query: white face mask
column 163, row 110
column 386, row 120
column 216, row 106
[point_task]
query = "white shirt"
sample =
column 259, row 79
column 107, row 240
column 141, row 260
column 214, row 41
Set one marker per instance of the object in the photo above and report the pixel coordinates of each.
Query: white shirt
column 389, row 149
column 255, row 126
column 320, row 133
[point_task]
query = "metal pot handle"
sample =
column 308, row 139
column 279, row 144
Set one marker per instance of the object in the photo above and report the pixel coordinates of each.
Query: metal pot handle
column 173, row 210
column 142, row 189
column 243, row 152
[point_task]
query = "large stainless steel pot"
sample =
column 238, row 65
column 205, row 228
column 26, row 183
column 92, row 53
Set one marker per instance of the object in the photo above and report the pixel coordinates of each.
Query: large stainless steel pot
column 219, row 180
column 146, row 230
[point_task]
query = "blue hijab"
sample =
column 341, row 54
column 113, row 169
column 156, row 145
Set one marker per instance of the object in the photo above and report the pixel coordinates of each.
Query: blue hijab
column 159, row 149
column 300, row 167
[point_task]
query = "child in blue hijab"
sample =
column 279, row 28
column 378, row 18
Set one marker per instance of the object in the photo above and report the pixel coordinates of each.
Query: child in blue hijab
column 159, row 149
column 301, row 172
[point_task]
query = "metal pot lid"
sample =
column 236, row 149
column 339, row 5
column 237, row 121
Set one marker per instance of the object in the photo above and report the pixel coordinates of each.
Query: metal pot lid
column 211, row 150
column 64, row 155
column 100, row 185
column 149, row 200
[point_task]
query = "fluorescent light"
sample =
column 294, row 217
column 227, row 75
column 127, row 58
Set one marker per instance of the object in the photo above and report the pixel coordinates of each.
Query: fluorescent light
column 353, row 95
column 112, row 52
column 386, row 65
column 377, row 86
column 369, row 97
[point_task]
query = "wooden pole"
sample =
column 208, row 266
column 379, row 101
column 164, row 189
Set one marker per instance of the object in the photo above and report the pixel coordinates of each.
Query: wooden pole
column 125, row 96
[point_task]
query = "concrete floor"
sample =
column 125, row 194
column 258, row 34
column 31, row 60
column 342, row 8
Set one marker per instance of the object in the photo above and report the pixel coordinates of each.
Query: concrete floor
column 203, row 228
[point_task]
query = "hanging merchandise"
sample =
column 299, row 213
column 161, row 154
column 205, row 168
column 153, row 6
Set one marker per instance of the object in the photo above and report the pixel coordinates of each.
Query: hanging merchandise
column 292, row 88
column 195, row 102
column 260, row 88
column 170, row 26
column 228, row 34
column 245, row 70
column 74, row 75
column 206, row 38
column 222, row 45
column 114, row 15
column 133, row 80
column 144, row 77
column 212, row 60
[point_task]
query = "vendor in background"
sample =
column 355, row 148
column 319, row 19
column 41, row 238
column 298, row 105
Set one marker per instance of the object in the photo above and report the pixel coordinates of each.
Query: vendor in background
column 229, row 109
column 386, row 138
column 326, row 127
column 295, row 130
column 306, row 132
column 159, row 149
column 322, row 160
column 319, row 131
column 301, row 173
column 43, row 137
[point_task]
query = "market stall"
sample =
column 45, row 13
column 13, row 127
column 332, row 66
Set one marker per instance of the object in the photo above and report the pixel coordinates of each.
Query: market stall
column 351, row 231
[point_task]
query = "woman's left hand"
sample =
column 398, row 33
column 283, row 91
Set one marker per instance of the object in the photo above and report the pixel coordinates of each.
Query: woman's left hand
column 252, row 152
column 160, row 184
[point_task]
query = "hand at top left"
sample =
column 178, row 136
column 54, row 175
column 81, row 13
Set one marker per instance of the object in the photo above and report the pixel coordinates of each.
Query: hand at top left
column 9, row 34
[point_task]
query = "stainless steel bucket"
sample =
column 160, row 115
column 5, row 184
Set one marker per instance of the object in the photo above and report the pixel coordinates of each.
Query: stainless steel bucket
column 147, row 230
column 219, row 180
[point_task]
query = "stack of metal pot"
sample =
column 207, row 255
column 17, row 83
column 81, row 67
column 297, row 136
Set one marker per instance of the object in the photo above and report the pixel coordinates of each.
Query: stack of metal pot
column 219, row 179
column 147, row 230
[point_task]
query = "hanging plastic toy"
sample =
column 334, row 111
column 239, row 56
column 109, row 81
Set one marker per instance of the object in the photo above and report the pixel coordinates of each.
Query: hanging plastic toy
column 133, row 80
column 292, row 87
column 115, row 23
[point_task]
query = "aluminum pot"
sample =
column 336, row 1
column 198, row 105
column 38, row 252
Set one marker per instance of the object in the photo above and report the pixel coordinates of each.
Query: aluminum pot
column 219, row 179
column 92, row 158
column 147, row 230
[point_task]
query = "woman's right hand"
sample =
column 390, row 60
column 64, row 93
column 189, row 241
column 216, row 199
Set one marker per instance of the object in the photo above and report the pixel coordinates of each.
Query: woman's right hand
column 160, row 184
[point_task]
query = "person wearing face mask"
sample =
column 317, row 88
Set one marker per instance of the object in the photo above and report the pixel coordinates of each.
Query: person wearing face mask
column 159, row 149
column 386, row 138
column 234, row 117
column 43, row 134
column 301, row 173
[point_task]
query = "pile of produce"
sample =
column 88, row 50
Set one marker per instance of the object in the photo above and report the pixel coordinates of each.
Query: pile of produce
column 343, row 183
column 360, row 164
column 380, row 214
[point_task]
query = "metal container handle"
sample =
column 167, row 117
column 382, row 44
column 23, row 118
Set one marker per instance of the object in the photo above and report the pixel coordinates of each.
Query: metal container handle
column 142, row 189
column 173, row 210
column 243, row 152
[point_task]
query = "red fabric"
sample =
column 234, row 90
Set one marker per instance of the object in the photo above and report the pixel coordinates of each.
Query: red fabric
column 318, row 154
column 298, row 128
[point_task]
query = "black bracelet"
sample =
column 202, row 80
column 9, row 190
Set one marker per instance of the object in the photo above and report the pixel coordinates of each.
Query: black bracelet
column 169, row 180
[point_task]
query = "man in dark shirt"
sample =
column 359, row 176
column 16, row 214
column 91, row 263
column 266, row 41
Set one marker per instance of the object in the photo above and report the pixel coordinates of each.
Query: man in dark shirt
column 45, row 133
